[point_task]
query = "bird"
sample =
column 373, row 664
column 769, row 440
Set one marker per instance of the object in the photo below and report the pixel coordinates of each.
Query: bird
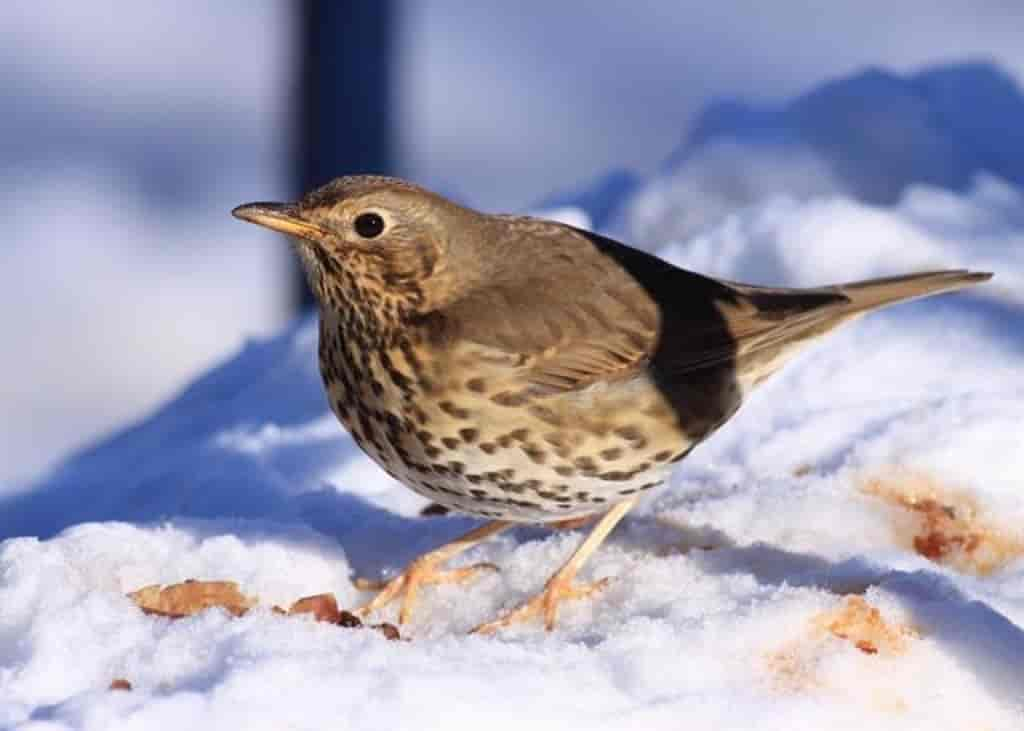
column 523, row 370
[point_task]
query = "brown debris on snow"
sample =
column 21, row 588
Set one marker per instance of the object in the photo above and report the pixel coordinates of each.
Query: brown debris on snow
column 323, row 607
column 387, row 629
column 945, row 524
column 191, row 597
column 795, row 666
column 802, row 470
column 863, row 626
column 119, row 684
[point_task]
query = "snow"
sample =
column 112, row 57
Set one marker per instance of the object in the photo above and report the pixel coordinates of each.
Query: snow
column 823, row 495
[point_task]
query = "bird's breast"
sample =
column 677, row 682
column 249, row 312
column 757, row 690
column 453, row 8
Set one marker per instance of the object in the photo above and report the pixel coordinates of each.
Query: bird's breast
column 466, row 435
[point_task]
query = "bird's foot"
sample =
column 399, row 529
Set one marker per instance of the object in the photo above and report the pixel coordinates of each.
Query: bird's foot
column 559, row 588
column 422, row 571
column 425, row 570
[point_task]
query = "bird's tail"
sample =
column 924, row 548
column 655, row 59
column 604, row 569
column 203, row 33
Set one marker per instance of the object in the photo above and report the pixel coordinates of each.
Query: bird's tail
column 871, row 294
column 811, row 313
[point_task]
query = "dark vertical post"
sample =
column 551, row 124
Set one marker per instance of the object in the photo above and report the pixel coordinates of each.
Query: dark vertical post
column 345, row 121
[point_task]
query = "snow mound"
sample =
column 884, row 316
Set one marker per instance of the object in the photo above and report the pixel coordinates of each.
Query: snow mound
column 870, row 136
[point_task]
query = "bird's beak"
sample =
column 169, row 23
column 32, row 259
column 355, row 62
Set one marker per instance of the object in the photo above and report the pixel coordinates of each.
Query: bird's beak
column 283, row 217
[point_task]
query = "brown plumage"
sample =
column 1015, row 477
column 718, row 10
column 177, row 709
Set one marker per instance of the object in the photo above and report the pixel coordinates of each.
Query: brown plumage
column 525, row 370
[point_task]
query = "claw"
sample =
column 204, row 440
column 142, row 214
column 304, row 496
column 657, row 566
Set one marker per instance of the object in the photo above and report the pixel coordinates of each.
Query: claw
column 557, row 590
column 424, row 570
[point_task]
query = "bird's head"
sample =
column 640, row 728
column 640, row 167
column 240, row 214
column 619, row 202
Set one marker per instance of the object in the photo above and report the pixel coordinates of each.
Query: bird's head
column 374, row 242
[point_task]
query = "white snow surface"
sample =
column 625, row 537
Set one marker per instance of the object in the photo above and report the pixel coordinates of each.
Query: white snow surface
column 712, row 618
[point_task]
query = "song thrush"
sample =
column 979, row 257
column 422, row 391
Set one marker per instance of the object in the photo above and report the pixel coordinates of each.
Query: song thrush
column 524, row 370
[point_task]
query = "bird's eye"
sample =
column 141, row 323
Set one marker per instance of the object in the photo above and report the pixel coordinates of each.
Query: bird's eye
column 369, row 225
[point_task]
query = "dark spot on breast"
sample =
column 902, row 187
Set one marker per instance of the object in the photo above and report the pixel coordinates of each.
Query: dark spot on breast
column 424, row 436
column 509, row 398
column 488, row 448
column 633, row 435
column 398, row 378
column 395, row 425
column 554, row 439
column 476, row 385
column 377, row 387
column 611, row 455
column 366, row 424
column 457, row 467
column 535, row 453
column 432, row 452
column 469, row 435
column 410, row 355
column 452, row 410
column 565, row 470
column 449, row 442
column 586, row 464
column 546, row 415
column 649, row 485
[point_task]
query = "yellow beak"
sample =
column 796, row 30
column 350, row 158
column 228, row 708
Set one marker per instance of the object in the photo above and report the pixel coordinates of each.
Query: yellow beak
column 283, row 217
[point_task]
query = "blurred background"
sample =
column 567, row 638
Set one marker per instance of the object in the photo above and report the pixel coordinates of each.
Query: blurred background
column 129, row 130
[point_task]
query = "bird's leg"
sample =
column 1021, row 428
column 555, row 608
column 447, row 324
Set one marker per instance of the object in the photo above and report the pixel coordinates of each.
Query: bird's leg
column 571, row 523
column 561, row 586
column 425, row 570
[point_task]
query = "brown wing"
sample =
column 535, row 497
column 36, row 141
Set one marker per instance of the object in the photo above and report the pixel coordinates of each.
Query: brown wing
column 562, row 314
column 575, row 308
